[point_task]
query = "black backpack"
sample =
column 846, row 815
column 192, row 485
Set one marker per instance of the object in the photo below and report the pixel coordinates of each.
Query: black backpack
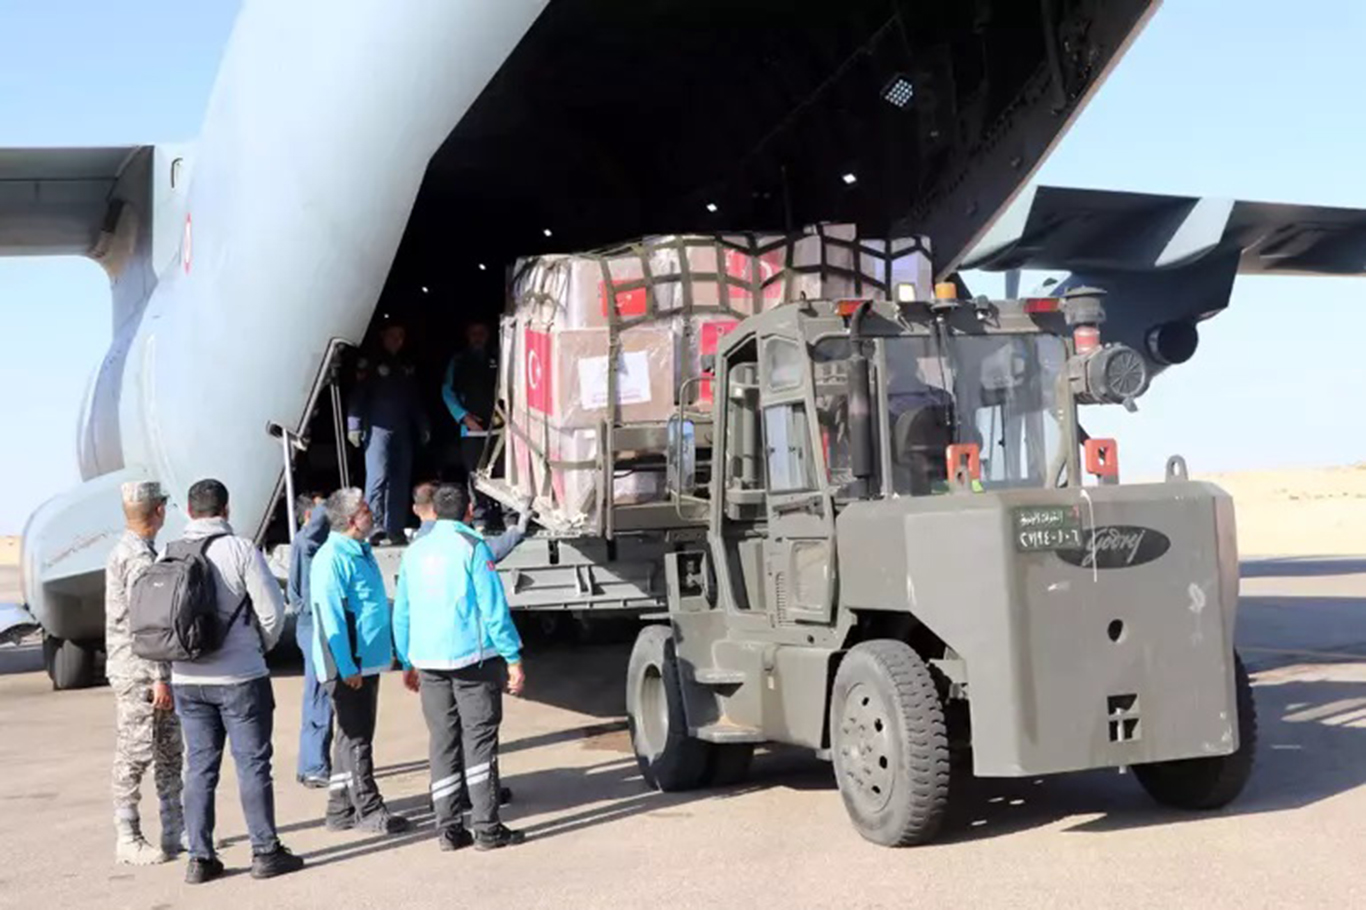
column 173, row 607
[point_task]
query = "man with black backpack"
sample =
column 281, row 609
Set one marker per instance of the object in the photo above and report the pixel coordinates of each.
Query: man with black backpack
column 222, row 688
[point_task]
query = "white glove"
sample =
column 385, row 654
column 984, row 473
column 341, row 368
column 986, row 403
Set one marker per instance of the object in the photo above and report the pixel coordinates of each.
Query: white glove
column 354, row 438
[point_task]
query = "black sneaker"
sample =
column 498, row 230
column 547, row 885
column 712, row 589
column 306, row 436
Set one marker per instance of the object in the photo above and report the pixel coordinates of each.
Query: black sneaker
column 454, row 839
column 200, row 871
column 382, row 822
column 278, row 862
column 501, row 836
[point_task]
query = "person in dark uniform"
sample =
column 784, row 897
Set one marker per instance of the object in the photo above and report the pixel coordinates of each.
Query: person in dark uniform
column 385, row 415
column 470, row 391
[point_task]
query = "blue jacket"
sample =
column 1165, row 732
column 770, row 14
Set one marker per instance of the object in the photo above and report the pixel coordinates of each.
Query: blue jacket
column 469, row 386
column 450, row 610
column 500, row 545
column 306, row 544
column 350, row 607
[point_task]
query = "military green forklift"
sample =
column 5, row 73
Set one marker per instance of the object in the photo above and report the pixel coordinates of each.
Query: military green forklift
column 917, row 564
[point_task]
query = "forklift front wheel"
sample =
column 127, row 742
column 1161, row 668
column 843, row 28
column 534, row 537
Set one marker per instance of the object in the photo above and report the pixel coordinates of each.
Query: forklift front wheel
column 1208, row 783
column 668, row 757
column 890, row 744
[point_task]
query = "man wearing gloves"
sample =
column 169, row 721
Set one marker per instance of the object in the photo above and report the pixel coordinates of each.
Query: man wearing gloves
column 470, row 391
column 386, row 416
column 459, row 649
column 351, row 648
column 315, row 723
column 147, row 732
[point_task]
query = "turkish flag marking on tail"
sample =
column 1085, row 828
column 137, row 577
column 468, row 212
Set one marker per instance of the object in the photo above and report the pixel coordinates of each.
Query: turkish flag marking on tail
column 538, row 393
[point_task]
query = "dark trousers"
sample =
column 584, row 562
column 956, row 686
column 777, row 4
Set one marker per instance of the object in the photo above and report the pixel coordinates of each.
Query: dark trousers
column 388, row 476
column 352, row 792
column 485, row 508
column 463, row 709
column 243, row 714
column 315, row 722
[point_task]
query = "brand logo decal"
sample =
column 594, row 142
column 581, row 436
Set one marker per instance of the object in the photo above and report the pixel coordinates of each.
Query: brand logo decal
column 1117, row 547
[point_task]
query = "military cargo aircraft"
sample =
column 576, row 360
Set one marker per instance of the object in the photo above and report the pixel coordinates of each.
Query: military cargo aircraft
column 367, row 159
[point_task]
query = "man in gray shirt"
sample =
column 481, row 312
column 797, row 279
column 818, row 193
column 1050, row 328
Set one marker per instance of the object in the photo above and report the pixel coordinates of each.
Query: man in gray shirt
column 226, row 693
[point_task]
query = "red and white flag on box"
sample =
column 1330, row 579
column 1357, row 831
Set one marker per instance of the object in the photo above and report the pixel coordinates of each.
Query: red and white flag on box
column 538, row 374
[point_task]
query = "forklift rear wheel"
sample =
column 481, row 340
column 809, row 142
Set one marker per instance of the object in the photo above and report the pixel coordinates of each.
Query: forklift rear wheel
column 1208, row 783
column 890, row 744
column 668, row 757
column 70, row 664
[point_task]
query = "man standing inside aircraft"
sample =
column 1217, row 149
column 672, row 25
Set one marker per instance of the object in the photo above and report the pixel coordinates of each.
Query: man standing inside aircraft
column 226, row 694
column 385, row 415
column 470, row 391
column 459, row 647
column 353, row 645
column 315, row 724
column 147, row 733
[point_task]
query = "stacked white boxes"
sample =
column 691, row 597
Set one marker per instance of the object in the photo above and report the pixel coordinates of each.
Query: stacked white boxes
column 656, row 306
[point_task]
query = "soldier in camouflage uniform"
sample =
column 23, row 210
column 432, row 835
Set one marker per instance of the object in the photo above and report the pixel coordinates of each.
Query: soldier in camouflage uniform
column 148, row 731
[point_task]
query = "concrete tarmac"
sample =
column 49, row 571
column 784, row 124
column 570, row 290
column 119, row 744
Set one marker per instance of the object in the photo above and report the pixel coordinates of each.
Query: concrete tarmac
column 599, row 838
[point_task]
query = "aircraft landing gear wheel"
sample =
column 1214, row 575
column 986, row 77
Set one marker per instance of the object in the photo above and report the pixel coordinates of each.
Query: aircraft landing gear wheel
column 668, row 757
column 1208, row 783
column 889, row 744
column 70, row 664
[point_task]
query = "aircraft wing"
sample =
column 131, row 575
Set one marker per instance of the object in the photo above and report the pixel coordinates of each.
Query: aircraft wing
column 58, row 201
column 1099, row 231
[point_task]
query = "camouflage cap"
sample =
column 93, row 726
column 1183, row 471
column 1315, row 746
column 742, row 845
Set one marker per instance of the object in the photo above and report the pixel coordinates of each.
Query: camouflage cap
column 138, row 491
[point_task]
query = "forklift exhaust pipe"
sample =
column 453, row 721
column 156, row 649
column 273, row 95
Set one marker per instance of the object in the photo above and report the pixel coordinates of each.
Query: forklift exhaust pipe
column 860, row 401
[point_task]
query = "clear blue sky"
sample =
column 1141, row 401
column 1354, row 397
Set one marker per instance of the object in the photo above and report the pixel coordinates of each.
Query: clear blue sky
column 1259, row 105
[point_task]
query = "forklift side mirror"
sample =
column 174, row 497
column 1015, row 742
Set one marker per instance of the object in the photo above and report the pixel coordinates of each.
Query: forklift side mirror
column 682, row 461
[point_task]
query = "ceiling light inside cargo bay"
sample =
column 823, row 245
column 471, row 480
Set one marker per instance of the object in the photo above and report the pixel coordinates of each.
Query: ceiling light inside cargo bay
column 546, row 232
column 899, row 92
column 424, row 289
column 850, row 179
column 711, row 206
column 483, row 268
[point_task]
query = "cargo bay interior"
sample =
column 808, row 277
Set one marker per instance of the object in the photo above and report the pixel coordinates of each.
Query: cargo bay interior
column 615, row 119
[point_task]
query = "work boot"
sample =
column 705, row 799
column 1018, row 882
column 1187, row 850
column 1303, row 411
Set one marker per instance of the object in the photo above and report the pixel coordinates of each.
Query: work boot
column 501, row 836
column 382, row 821
column 200, row 871
column 278, row 862
column 132, row 848
column 174, row 839
column 454, row 838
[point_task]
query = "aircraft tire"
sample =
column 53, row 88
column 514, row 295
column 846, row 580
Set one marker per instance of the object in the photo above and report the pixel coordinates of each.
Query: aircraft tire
column 669, row 759
column 1201, row 784
column 70, row 664
column 889, row 744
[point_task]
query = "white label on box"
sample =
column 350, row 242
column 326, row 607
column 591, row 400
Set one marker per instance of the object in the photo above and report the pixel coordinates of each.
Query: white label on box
column 633, row 380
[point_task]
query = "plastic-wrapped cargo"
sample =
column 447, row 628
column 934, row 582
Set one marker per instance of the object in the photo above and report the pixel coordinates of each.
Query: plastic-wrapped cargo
column 653, row 308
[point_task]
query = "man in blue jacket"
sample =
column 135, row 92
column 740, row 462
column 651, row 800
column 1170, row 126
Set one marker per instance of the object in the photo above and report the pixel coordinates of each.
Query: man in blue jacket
column 470, row 391
column 459, row 649
column 350, row 650
column 500, row 545
column 315, row 723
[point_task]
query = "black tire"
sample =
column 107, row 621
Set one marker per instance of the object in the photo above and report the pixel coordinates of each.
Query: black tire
column 70, row 664
column 1202, row 784
column 889, row 744
column 668, row 757
column 728, row 764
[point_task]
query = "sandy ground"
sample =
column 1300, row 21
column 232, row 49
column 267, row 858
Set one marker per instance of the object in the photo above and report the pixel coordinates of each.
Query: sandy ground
column 601, row 839
column 1307, row 512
